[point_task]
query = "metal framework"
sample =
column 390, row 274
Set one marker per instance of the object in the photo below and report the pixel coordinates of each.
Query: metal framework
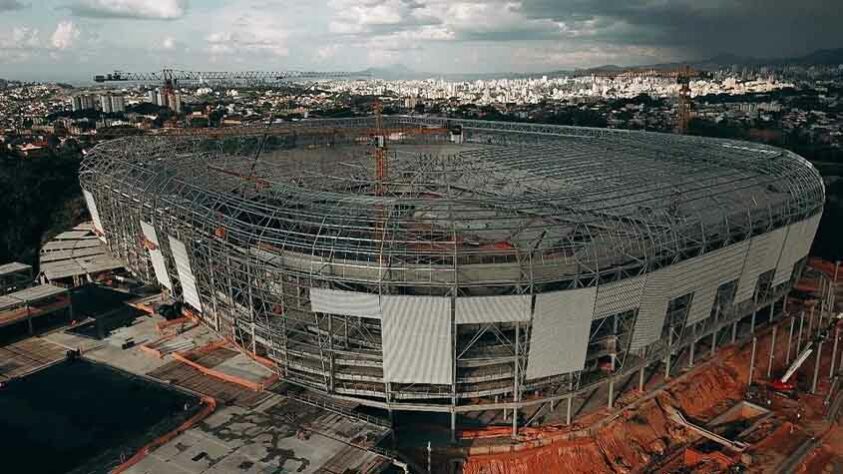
column 309, row 262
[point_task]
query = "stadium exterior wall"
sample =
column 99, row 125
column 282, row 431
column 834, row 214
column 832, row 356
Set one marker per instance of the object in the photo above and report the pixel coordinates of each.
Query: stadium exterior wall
column 329, row 328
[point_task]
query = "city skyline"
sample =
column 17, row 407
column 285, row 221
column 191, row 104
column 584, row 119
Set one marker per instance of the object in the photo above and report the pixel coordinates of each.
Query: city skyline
column 70, row 39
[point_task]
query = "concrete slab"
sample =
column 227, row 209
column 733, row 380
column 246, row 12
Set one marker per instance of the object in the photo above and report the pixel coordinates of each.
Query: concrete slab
column 243, row 367
column 287, row 437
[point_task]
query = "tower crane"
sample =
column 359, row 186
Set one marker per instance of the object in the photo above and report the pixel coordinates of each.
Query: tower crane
column 683, row 76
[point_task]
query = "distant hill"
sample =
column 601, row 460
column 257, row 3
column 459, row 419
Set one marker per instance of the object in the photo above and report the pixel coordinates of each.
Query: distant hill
column 822, row 57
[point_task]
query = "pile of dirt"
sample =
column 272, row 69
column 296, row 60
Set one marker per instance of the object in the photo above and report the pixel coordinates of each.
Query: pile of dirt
column 639, row 437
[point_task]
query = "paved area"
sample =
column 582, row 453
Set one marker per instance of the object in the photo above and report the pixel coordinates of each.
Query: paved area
column 280, row 435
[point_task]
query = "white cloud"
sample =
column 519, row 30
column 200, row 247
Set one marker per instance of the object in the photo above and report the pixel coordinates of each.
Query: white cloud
column 169, row 43
column 142, row 9
column 241, row 32
column 65, row 35
column 19, row 43
column 327, row 51
column 360, row 16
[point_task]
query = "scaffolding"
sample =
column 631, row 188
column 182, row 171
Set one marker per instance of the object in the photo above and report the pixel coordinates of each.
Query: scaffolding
column 503, row 210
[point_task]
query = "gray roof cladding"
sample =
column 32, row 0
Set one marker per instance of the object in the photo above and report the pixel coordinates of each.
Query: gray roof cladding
column 601, row 197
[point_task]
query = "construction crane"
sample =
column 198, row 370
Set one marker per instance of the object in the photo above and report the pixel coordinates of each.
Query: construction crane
column 683, row 76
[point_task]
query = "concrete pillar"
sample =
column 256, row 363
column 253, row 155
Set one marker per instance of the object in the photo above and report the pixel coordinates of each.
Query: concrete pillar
column 752, row 361
column 790, row 339
column 713, row 342
column 734, row 332
column 570, row 408
column 611, row 392
column 817, row 367
column 772, row 352
column 691, row 354
column 772, row 311
column 834, row 352
column 453, row 427
column 641, row 379
column 811, row 322
column 752, row 323
column 799, row 338
column 667, row 366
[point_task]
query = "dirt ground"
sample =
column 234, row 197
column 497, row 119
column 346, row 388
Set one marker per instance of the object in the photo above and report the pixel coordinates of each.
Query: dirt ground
column 643, row 438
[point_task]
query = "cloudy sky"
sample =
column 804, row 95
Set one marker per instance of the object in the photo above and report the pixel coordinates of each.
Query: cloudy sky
column 72, row 39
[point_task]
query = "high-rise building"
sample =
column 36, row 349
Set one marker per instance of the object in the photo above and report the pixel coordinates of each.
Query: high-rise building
column 105, row 104
column 161, row 98
column 86, row 101
column 176, row 102
column 76, row 103
column 118, row 103
column 152, row 97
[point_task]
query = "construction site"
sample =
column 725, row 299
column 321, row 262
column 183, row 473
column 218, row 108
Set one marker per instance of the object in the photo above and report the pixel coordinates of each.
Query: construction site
column 412, row 294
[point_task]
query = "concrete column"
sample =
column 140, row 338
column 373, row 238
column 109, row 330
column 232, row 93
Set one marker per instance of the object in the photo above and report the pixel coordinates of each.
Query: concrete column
column 667, row 366
column 734, row 332
column 752, row 323
column 790, row 339
column 691, row 354
column 713, row 342
column 801, row 326
column 772, row 352
column 641, row 379
column 570, row 408
column 772, row 311
column 817, row 367
column 453, row 427
column 611, row 392
column 752, row 361
column 810, row 324
column 834, row 352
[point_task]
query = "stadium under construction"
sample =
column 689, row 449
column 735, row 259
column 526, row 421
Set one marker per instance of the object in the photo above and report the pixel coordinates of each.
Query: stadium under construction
column 476, row 266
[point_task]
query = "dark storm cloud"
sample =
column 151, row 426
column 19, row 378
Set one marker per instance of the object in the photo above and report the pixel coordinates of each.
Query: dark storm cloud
column 752, row 27
column 9, row 5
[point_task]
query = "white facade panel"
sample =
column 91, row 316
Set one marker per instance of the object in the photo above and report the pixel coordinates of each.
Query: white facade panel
column 348, row 303
column 92, row 208
column 700, row 275
column 657, row 294
column 713, row 270
column 763, row 256
column 493, row 309
column 800, row 236
column 186, row 278
column 559, row 336
column 417, row 339
column 620, row 296
column 156, row 256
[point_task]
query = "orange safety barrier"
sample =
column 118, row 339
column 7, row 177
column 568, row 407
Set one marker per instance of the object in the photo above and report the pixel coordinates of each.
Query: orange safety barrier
column 218, row 374
column 147, row 347
column 210, row 406
column 160, row 327
column 208, row 348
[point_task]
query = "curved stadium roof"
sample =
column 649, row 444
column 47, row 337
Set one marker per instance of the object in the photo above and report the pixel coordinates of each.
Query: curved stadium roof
column 599, row 199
